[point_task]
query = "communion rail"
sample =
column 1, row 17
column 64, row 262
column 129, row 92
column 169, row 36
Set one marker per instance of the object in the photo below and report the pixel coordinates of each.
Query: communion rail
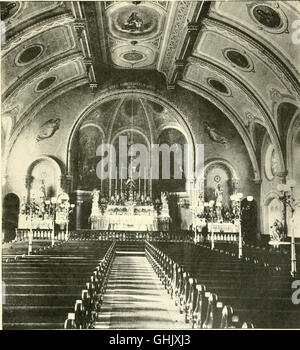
column 114, row 235
column 23, row 234
column 121, row 235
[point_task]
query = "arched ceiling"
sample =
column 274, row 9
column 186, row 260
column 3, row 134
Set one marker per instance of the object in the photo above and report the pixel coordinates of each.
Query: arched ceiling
column 240, row 56
column 132, row 112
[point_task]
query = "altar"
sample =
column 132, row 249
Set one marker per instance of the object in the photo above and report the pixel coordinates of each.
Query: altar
column 129, row 217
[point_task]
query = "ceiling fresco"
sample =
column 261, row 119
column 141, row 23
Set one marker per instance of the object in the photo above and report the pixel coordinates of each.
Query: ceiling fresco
column 223, row 52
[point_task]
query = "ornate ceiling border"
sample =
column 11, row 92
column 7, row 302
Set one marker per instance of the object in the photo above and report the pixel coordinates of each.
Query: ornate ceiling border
column 36, row 29
column 42, row 68
column 258, row 48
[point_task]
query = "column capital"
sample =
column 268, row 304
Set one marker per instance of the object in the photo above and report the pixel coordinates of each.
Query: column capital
column 282, row 174
column 257, row 181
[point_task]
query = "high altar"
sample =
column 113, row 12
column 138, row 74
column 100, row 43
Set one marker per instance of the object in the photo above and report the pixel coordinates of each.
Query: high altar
column 130, row 211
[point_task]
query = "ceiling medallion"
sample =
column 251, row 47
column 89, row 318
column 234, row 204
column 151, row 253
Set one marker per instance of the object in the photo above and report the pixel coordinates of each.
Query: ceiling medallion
column 132, row 22
column 269, row 17
column 29, row 54
column 219, row 86
column 239, row 59
column 9, row 9
column 45, row 83
column 133, row 56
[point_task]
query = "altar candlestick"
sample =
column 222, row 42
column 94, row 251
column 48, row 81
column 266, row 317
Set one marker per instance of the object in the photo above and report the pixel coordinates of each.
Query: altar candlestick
column 150, row 183
column 140, row 183
column 116, row 187
column 109, row 188
column 145, row 183
column 101, row 181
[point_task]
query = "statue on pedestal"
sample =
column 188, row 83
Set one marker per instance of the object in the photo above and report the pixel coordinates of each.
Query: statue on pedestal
column 95, row 201
column 219, row 194
column 277, row 231
column 164, row 198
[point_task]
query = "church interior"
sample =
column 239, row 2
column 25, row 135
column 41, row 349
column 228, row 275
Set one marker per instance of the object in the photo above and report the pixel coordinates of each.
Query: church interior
column 216, row 250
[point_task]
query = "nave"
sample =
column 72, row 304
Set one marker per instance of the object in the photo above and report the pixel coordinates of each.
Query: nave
column 95, row 284
column 135, row 298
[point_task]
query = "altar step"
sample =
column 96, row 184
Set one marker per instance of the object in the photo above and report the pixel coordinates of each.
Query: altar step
column 130, row 248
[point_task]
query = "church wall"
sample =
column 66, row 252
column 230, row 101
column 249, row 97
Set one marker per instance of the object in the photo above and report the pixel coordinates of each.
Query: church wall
column 268, row 186
column 68, row 107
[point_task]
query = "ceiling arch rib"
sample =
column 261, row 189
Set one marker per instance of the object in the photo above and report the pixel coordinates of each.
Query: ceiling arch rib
column 197, row 72
column 232, row 116
column 29, row 13
column 276, row 40
column 259, row 65
column 37, row 105
column 106, row 96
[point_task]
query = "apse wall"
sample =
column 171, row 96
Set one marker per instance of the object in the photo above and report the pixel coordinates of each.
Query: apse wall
column 200, row 115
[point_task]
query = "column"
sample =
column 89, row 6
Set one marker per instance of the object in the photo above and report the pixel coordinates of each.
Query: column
column 78, row 213
column 257, row 197
column 282, row 179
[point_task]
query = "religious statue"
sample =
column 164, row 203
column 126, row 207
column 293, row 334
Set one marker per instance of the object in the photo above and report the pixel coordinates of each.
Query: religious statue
column 133, row 23
column 42, row 191
column 164, row 198
column 95, row 201
column 219, row 194
column 277, row 231
column 214, row 135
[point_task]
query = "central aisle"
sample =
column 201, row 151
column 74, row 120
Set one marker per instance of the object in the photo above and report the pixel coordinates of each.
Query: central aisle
column 136, row 299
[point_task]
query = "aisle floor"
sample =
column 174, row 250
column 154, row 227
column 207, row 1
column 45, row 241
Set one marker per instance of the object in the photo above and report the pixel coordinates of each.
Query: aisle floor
column 136, row 299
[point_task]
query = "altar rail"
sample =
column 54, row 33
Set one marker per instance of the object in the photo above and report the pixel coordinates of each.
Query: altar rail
column 39, row 233
column 102, row 235
column 218, row 237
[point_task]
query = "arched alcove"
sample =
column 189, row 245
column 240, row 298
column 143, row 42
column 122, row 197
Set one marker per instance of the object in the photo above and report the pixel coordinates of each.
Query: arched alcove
column 43, row 178
column 219, row 172
column 272, row 210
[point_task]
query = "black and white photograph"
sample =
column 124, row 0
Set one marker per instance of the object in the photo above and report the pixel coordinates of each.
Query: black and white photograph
column 150, row 167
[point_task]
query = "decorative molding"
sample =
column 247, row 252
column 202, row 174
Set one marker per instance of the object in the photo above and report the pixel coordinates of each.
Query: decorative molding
column 282, row 28
column 250, row 68
column 36, row 29
column 180, row 20
column 44, row 69
column 256, row 48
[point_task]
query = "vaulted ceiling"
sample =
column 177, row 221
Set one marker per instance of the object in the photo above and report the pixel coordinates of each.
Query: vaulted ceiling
column 240, row 56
